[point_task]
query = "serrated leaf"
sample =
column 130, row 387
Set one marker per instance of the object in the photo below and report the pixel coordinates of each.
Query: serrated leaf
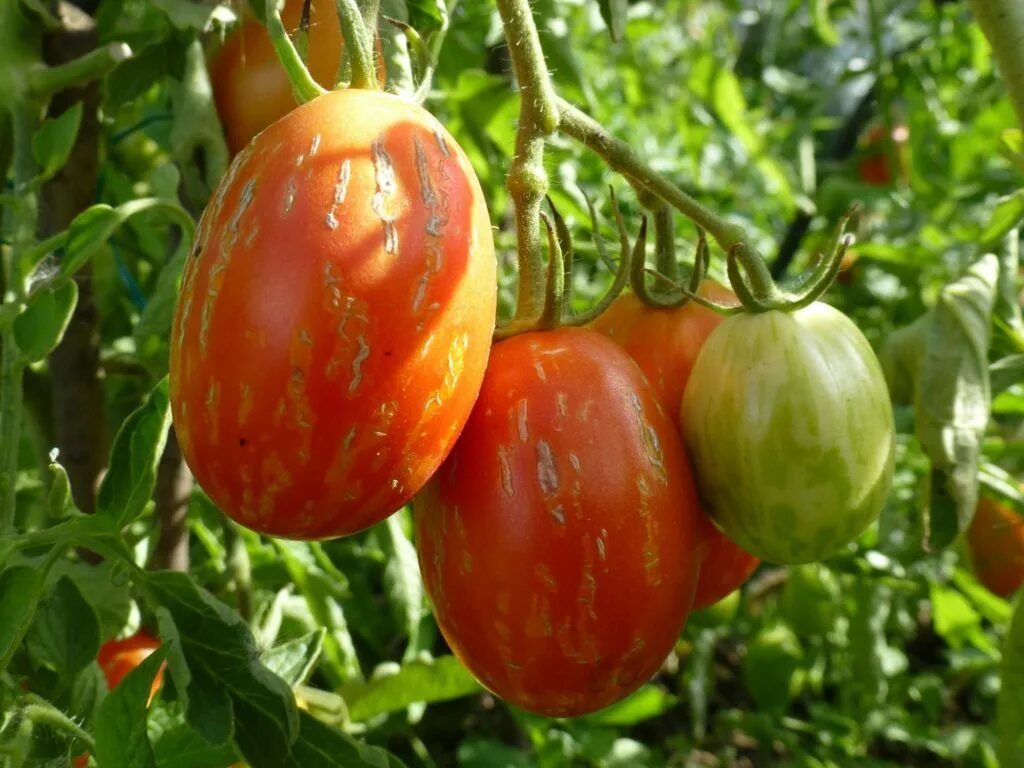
column 55, row 139
column 40, row 327
column 320, row 745
column 217, row 653
column 65, row 634
column 20, row 589
column 614, row 13
column 152, row 332
column 134, row 459
column 1010, row 719
column 121, row 737
column 177, row 745
column 293, row 660
column 395, row 688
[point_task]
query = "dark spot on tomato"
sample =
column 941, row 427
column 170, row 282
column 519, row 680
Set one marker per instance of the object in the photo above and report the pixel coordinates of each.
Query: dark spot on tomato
column 242, row 441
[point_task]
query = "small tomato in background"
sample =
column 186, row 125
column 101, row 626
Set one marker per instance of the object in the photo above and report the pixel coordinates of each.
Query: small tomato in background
column 874, row 166
column 251, row 88
column 995, row 540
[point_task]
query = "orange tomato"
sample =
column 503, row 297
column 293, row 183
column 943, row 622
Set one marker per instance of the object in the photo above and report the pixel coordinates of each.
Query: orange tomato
column 995, row 540
column 250, row 87
column 665, row 344
column 873, row 167
column 335, row 317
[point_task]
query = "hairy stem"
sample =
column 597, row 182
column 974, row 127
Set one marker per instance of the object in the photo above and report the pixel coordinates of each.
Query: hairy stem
column 358, row 33
column 304, row 86
column 527, row 178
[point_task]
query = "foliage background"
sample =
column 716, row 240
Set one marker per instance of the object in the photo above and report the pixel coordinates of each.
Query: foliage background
column 886, row 655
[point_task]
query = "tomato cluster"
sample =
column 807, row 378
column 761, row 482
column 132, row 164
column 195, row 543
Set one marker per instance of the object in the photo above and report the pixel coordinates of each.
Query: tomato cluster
column 331, row 360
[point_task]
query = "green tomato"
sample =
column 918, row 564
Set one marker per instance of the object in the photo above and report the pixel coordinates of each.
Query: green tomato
column 789, row 424
column 772, row 668
column 810, row 600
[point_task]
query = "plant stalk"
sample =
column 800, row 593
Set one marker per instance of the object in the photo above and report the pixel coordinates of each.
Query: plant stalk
column 1002, row 21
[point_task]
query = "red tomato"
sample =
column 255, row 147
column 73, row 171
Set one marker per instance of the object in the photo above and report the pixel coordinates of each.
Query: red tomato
column 996, row 542
column 119, row 657
column 335, row 317
column 873, row 167
column 558, row 542
column 665, row 344
column 251, row 88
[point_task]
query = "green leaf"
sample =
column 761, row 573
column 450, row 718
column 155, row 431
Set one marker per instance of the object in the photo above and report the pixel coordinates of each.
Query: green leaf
column 1001, row 485
column 65, row 634
column 177, row 745
column 149, row 66
column 187, row 15
column 394, row 688
column 59, row 503
column 1008, row 213
column 20, row 589
column 402, row 580
column 486, row 753
column 992, row 607
column 1010, row 722
column 90, row 230
column 41, row 326
column 1006, row 372
column 325, row 747
column 293, row 661
column 216, row 670
column 134, row 459
column 614, row 13
column 53, row 142
column 823, row 26
column 121, row 737
column 647, row 702
column 322, row 595
column 956, row 621
column 426, row 15
column 152, row 332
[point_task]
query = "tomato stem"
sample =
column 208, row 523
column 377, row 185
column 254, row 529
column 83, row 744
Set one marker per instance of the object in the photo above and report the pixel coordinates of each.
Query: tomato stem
column 357, row 27
column 42, row 712
column 555, row 296
column 46, row 81
column 527, row 178
column 304, row 86
column 1002, row 21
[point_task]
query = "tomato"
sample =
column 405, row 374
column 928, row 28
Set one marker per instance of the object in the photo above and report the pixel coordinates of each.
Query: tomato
column 789, row 424
column 995, row 540
column 874, row 167
column 810, row 600
column 558, row 541
column 665, row 344
column 335, row 317
column 250, row 87
column 119, row 657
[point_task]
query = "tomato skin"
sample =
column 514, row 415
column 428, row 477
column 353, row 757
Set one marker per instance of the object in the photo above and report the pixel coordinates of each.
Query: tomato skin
column 334, row 319
column 558, row 541
column 995, row 539
column 119, row 657
column 665, row 344
column 789, row 424
column 250, row 87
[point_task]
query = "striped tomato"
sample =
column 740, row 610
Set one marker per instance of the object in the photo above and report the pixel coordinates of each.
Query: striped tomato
column 789, row 424
column 335, row 317
column 558, row 542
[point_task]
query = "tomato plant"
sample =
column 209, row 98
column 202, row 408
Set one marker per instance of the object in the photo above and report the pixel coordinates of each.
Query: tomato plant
column 558, row 542
column 334, row 319
column 996, row 543
column 665, row 344
column 251, row 88
column 788, row 421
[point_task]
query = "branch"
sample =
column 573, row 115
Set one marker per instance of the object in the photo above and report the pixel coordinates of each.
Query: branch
column 45, row 82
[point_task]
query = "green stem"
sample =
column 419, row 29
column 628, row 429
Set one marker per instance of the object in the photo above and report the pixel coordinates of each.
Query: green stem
column 47, row 81
column 11, row 369
column 665, row 242
column 622, row 158
column 41, row 712
column 357, row 30
column 304, row 86
column 555, row 296
column 527, row 178
column 1002, row 21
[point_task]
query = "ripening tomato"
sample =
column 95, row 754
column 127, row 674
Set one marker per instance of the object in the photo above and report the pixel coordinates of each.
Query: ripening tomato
column 874, row 167
column 996, row 543
column 335, row 317
column 250, row 87
column 558, row 541
column 119, row 657
column 789, row 424
column 665, row 344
